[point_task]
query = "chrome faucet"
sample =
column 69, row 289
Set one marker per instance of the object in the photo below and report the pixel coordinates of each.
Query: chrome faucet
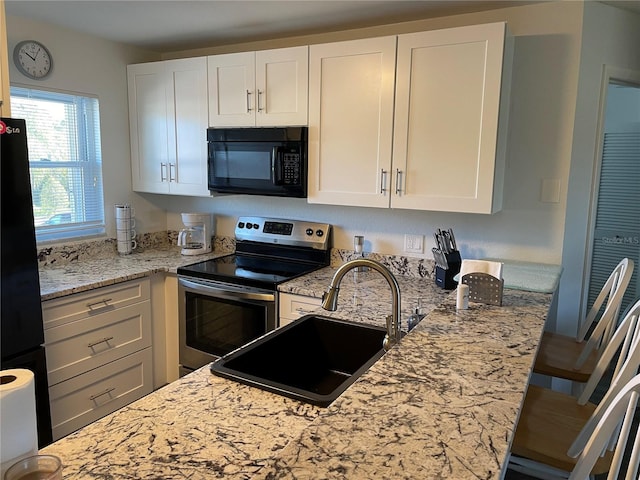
column 330, row 297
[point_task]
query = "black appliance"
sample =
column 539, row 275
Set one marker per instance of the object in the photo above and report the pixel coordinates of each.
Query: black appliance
column 229, row 301
column 258, row 161
column 20, row 302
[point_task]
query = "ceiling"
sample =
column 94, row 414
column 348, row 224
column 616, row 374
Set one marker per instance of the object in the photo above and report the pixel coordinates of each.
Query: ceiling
column 170, row 25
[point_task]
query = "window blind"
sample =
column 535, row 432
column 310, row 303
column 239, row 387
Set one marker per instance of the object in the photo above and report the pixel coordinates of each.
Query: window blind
column 65, row 162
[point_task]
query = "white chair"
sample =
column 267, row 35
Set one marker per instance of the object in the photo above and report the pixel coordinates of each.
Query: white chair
column 553, row 426
column 607, row 426
column 572, row 358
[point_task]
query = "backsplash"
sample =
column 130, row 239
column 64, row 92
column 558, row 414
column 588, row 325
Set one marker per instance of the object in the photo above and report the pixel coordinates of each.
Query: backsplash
column 90, row 250
column 397, row 264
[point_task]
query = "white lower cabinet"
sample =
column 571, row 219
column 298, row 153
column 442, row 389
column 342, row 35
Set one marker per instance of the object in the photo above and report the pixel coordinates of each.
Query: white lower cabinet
column 86, row 398
column 99, row 352
column 293, row 307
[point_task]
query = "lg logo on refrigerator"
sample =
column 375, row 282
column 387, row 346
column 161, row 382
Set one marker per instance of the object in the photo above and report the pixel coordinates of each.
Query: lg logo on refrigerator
column 7, row 130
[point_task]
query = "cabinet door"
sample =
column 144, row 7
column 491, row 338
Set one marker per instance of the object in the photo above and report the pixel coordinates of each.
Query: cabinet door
column 282, row 86
column 188, row 120
column 149, row 124
column 448, row 102
column 232, row 79
column 351, row 87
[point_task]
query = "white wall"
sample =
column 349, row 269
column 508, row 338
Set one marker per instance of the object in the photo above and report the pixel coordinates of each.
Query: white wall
column 547, row 51
column 610, row 37
column 88, row 65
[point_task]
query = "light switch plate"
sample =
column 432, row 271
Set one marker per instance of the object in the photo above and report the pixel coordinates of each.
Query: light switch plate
column 413, row 243
column 550, row 190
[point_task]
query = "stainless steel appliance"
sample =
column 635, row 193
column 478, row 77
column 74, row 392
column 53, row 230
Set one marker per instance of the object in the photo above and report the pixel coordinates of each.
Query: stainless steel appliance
column 21, row 311
column 229, row 301
column 258, row 161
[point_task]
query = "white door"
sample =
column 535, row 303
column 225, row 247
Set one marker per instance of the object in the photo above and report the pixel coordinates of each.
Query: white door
column 448, row 99
column 188, row 115
column 232, row 95
column 282, row 86
column 351, row 121
column 149, row 126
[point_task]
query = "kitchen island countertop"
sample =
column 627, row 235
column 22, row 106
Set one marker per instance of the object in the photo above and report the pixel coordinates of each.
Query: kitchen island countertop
column 441, row 404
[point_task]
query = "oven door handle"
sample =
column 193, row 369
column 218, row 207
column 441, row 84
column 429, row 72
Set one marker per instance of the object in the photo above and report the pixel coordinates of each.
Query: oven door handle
column 227, row 291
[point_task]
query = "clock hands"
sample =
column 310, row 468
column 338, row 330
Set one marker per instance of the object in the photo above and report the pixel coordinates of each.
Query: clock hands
column 32, row 58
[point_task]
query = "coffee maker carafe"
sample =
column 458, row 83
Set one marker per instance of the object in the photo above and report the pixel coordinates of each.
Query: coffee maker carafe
column 195, row 238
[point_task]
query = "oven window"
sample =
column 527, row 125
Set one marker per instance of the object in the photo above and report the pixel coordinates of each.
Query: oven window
column 243, row 161
column 219, row 326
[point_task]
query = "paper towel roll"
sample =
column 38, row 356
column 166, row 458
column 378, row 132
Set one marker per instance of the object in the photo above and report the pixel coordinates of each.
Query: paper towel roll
column 18, row 427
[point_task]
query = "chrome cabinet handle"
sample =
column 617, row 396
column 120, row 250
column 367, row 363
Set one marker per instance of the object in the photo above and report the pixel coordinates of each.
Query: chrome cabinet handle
column 163, row 170
column 98, row 395
column 398, row 181
column 249, row 109
column 104, row 340
column 101, row 304
column 260, row 107
column 172, row 170
column 383, row 181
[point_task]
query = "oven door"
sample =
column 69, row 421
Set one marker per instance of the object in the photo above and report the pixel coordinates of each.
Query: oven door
column 216, row 318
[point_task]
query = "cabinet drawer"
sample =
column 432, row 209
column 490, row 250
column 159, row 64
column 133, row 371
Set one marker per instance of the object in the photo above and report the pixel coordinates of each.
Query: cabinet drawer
column 296, row 306
column 76, row 347
column 88, row 397
column 74, row 307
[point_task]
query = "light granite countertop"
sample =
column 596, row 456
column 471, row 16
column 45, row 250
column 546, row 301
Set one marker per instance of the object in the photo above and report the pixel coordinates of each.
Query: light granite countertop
column 441, row 404
column 65, row 278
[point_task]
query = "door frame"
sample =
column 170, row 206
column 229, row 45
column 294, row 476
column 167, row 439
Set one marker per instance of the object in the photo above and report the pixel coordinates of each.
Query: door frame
column 609, row 74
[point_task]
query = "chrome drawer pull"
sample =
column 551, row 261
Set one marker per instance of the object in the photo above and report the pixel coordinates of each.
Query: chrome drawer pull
column 93, row 398
column 383, row 181
column 104, row 340
column 103, row 303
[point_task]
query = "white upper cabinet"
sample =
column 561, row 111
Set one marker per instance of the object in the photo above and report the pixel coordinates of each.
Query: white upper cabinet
column 264, row 88
column 451, row 100
column 168, row 121
column 443, row 146
column 351, row 121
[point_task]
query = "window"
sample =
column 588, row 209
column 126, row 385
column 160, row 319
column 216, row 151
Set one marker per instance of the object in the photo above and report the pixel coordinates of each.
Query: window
column 65, row 162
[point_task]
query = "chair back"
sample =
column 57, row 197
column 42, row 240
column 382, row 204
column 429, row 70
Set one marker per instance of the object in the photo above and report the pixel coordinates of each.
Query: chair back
column 621, row 409
column 612, row 291
column 626, row 343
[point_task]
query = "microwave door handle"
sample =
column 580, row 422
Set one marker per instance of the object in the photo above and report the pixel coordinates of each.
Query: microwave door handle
column 276, row 166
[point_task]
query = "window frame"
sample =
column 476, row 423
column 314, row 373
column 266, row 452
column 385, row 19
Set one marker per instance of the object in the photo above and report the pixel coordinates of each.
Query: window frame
column 85, row 170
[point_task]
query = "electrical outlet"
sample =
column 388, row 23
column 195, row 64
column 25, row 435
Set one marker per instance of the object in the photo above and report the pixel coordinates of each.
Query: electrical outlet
column 413, row 243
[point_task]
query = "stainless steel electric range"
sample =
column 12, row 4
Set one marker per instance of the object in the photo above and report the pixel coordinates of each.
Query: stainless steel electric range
column 229, row 301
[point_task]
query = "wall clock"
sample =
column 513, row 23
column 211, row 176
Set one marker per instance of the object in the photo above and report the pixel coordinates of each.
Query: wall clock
column 33, row 59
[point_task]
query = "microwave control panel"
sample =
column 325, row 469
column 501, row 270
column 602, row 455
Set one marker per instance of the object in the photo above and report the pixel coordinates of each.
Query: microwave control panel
column 291, row 169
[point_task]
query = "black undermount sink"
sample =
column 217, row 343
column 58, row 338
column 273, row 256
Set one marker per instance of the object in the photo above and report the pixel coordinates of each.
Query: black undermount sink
column 313, row 359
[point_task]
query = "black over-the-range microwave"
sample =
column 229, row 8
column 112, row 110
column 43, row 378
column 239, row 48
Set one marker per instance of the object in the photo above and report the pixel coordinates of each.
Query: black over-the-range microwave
column 258, row 161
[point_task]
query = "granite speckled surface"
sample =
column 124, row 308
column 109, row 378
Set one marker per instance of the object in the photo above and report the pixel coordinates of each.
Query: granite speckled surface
column 80, row 267
column 441, row 404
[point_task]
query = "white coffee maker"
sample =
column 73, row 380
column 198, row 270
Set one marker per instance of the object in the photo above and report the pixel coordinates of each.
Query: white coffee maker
column 195, row 238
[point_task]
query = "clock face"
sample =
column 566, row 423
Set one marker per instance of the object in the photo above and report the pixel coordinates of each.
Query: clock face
column 32, row 59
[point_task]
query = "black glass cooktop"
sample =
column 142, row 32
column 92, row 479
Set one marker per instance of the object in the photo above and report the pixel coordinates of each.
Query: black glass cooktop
column 254, row 271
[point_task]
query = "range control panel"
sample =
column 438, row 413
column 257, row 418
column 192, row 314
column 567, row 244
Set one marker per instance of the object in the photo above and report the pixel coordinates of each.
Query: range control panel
column 284, row 232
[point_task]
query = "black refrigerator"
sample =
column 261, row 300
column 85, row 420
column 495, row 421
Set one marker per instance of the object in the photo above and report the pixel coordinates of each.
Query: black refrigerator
column 20, row 304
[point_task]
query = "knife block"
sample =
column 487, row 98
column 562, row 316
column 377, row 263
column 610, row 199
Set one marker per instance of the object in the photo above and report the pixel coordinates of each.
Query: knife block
column 445, row 277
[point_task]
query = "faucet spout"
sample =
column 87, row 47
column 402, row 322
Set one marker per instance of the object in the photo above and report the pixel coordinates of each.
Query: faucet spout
column 330, row 297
